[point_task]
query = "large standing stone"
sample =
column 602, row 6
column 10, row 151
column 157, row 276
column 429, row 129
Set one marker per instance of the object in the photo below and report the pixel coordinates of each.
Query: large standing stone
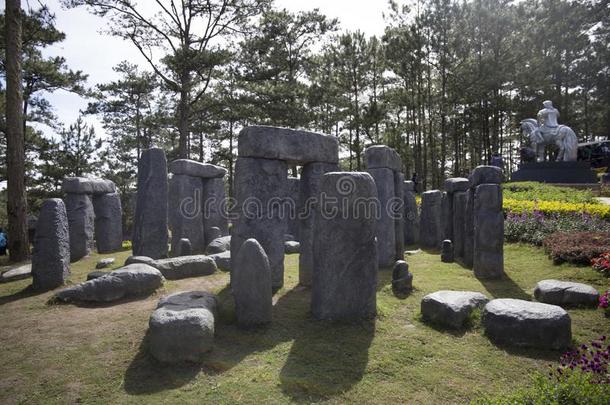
column 488, row 232
column 451, row 308
column 411, row 224
column 292, row 226
column 485, row 174
column 85, row 185
column 108, row 222
column 456, row 184
column 193, row 168
column 381, row 156
column 260, row 191
column 251, row 285
column 459, row 222
column 524, row 323
column 309, row 187
column 447, row 215
column 430, row 227
column 287, row 144
column 81, row 220
column 385, row 227
column 182, row 326
column 185, row 214
column 150, row 234
column 468, row 248
column 345, row 252
column 214, row 207
column 51, row 254
column 558, row 292
column 399, row 215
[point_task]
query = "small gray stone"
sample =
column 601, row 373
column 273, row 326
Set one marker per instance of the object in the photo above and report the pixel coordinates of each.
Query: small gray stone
column 291, row 247
column 382, row 156
column 218, row 245
column 18, row 273
column 566, row 293
column 85, row 185
column 223, row 260
column 455, row 184
column 451, row 308
column 102, row 264
column 214, row 232
column 185, row 248
column 108, row 222
column 524, row 323
column 81, row 224
column 294, row 146
column 51, row 254
column 176, row 268
column 485, row 174
column 138, row 259
column 150, row 230
column 129, row 281
column 251, row 285
column 196, row 169
column 182, row 327
column 402, row 280
column 447, row 251
column 430, row 231
column 96, row 274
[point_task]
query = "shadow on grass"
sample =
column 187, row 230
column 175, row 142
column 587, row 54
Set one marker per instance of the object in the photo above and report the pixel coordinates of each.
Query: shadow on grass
column 24, row 293
column 529, row 352
column 505, row 287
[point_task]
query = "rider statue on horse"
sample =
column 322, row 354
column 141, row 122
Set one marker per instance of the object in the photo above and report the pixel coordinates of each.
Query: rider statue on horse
column 546, row 130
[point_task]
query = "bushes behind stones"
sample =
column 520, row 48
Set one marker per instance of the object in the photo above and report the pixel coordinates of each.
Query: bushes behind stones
column 576, row 247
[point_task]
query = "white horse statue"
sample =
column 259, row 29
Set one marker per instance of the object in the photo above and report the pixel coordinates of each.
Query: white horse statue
column 563, row 136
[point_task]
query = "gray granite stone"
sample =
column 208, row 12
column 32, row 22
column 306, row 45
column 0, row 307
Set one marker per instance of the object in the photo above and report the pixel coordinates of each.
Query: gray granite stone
column 218, row 245
column 430, row 226
column 381, row 156
column 51, row 253
column 291, row 247
column 411, row 224
column 108, row 222
column 85, row 185
column 81, row 224
column 447, row 255
column 385, row 229
column 138, row 259
column 468, row 248
column 402, row 279
column 193, row 168
column 398, row 212
column 185, row 248
column 107, row 262
column 451, row 309
column 485, row 174
column 223, row 260
column 488, row 258
column 17, row 273
column 455, row 184
column 176, row 268
column 567, row 293
column 184, row 212
column 459, row 222
column 214, row 208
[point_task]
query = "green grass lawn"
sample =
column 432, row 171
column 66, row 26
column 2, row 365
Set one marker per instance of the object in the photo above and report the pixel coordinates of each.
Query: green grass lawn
column 66, row 353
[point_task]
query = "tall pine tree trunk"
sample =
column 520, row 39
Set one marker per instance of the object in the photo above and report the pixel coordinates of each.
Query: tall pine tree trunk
column 18, row 245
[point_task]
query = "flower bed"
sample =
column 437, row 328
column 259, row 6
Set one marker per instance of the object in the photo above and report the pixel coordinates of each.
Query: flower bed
column 576, row 247
column 556, row 207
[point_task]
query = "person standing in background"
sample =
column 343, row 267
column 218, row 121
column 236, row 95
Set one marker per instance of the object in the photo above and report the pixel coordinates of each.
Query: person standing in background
column 3, row 242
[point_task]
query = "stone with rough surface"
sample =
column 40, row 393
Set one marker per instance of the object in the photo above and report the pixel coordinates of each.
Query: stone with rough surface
column 451, row 308
column 455, row 184
column 488, row 257
column 150, row 235
column 309, row 186
column 251, row 285
column 129, row 281
column 181, row 329
column 214, row 232
column 102, row 264
column 530, row 324
column 402, row 279
column 138, row 259
column 184, row 212
column 385, row 229
column 81, row 220
column 398, row 212
column 108, row 222
column 411, row 224
column 176, row 268
column 218, row 245
column 51, row 253
column 185, row 248
column 430, row 226
column 223, row 260
column 447, row 251
column 345, row 263
column 18, row 273
column 459, row 222
column 485, row 174
column 85, row 185
column 260, row 187
column 568, row 293
column 214, row 208
column 409, row 186
column 193, row 168
column 292, row 246
column 381, row 156
column 294, row 146
column 96, row 274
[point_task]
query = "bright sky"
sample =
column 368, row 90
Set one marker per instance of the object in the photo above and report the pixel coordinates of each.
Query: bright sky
column 86, row 49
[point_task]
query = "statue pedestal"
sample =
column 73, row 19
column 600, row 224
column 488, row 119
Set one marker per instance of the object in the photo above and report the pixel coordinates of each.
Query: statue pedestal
column 556, row 172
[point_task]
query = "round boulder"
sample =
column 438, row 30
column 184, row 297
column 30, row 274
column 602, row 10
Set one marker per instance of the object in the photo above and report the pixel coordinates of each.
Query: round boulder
column 566, row 293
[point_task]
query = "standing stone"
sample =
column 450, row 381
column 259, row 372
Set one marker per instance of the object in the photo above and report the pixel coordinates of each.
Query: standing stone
column 292, row 226
column 185, row 216
column 385, row 228
column 260, row 190
column 399, row 221
column 81, row 219
column 411, row 223
column 447, row 252
column 51, row 254
column 345, row 253
column 150, row 234
column 214, row 233
column 108, row 222
column 214, row 208
column 468, row 253
column 430, row 231
column 251, row 285
column 309, row 188
column 185, row 249
column 488, row 232
column 402, row 279
column 459, row 222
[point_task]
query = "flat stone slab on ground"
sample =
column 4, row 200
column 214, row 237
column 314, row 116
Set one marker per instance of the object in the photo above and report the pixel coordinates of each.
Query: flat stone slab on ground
column 196, row 169
column 176, row 268
column 529, row 324
column 223, row 260
column 292, row 246
column 102, row 264
column 96, row 274
column 451, row 308
column 182, row 327
column 18, row 273
column 291, row 145
column 129, row 281
column 218, row 245
column 138, row 259
column 558, row 292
